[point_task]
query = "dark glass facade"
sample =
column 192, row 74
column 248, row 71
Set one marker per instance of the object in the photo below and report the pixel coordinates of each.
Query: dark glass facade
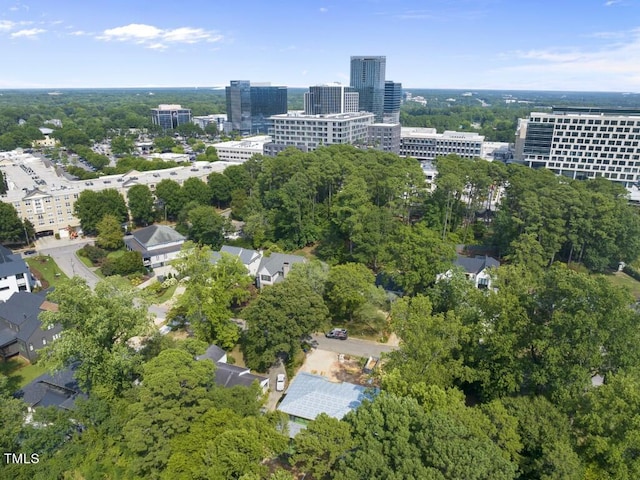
column 249, row 107
column 367, row 78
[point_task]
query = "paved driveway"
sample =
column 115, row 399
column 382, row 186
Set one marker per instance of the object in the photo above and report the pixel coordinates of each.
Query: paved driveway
column 353, row 346
column 64, row 253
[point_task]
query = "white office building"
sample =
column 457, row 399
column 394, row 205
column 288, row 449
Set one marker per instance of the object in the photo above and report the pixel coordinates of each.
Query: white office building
column 583, row 142
column 242, row 150
column 308, row 132
column 427, row 143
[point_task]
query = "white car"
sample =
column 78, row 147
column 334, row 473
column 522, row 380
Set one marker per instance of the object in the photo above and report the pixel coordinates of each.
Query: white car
column 280, row 382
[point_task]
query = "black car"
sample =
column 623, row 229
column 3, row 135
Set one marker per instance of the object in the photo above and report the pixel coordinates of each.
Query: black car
column 30, row 252
column 339, row 333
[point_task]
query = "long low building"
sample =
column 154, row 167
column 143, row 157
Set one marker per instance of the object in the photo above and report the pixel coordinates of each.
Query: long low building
column 241, row 150
column 41, row 192
column 427, row 143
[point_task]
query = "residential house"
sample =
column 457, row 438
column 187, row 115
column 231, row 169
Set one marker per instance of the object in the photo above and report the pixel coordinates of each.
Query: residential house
column 59, row 389
column 232, row 375
column 268, row 269
column 477, row 269
column 21, row 331
column 310, row 395
column 158, row 244
column 15, row 275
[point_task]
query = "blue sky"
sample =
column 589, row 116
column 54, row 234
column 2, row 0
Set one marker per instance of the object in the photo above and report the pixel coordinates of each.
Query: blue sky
column 588, row 45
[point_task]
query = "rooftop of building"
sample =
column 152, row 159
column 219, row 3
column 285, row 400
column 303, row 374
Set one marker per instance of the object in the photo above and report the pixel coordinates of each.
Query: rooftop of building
column 447, row 134
column 256, row 142
column 170, row 106
column 26, row 172
column 335, row 116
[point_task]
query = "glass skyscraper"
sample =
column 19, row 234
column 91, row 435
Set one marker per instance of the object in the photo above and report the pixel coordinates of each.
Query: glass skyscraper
column 367, row 78
column 250, row 106
column 170, row 116
column 392, row 101
column 331, row 98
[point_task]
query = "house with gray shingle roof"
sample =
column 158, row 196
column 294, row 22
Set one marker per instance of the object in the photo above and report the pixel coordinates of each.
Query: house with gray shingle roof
column 231, row 375
column 310, row 395
column 477, row 269
column 158, row 244
column 59, row 389
column 15, row 275
column 268, row 269
column 21, row 331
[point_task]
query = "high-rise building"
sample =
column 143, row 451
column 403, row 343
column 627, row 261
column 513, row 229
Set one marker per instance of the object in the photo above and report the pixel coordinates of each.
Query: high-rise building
column 367, row 78
column 583, row 142
column 330, row 98
column 250, row 106
column 170, row 116
column 392, row 101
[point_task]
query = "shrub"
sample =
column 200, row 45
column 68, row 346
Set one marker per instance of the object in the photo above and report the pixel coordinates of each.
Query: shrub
column 95, row 254
column 125, row 264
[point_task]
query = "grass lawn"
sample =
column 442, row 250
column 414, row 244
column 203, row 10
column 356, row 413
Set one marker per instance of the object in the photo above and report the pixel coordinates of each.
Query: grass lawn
column 46, row 270
column 164, row 296
column 20, row 372
column 85, row 260
column 237, row 355
column 621, row 279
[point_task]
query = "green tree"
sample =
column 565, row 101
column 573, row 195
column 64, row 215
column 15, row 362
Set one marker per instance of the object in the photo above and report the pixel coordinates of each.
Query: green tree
column 220, row 186
column 11, row 228
column 91, row 207
column 320, row 446
column 205, row 226
column 212, row 289
column 349, row 287
column 97, row 325
column 278, row 320
column 195, row 190
column 163, row 144
column 122, row 145
column 109, row 233
column 140, row 201
column 169, row 193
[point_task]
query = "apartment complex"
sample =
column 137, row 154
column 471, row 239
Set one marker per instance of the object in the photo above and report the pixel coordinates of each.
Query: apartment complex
column 249, row 106
column 583, row 142
column 170, row 116
column 427, row 143
column 331, row 98
column 43, row 194
column 308, row 132
column 368, row 79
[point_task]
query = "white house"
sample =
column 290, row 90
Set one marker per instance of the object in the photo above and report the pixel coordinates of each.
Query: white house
column 158, row 244
column 15, row 275
column 477, row 269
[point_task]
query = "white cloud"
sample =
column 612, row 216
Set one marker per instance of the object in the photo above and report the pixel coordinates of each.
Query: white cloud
column 29, row 33
column 610, row 3
column 323, row 10
column 78, row 33
column 156, row 38
column 606, row 66
column 6, row 25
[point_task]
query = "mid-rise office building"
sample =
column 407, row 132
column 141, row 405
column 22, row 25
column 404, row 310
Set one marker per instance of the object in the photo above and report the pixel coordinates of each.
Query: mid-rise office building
column 392, row 101
column 170, row 116
column 308, row 132
column 331, row 98
column 249, row 106
column 427, row 144
column 241, row 150
column 218, row 119
column 368, row 78
column 385, row 137
column 583, row 142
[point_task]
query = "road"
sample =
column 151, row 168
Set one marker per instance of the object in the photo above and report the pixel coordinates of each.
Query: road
column 353, row 346
column 64, row 254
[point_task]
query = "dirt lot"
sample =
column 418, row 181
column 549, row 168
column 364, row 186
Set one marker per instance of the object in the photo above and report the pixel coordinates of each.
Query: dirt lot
column 327, row 364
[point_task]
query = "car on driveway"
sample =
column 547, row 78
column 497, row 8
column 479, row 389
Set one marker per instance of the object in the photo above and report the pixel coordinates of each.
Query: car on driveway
column 339, row 333
column 280, row 382
column 30, row 252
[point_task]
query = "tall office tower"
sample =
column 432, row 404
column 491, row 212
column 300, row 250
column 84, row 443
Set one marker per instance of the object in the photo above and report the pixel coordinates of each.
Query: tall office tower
column 250, row 106
column 367, row 77
column 583, row 142
column 330, row 98
column 392, row 100
column 170, row 116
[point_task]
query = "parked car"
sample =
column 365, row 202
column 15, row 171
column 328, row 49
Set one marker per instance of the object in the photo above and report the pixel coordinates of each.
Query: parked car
column 339, row 333
column 280, row 382
column 30, row 252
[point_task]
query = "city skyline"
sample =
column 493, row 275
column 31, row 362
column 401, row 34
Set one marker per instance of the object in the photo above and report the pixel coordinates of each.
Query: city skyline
column 593, row 45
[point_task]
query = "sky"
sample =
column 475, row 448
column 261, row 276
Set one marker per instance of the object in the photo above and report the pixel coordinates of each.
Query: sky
column 576, row 45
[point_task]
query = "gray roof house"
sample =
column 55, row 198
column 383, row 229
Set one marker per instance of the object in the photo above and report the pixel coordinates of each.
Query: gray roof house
column 158, row 244
column 21, row 331
column 477, row 269
column 231, row 375
column 268, row 269
column 15, row 275
column 310, row 395
column 59, row 389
